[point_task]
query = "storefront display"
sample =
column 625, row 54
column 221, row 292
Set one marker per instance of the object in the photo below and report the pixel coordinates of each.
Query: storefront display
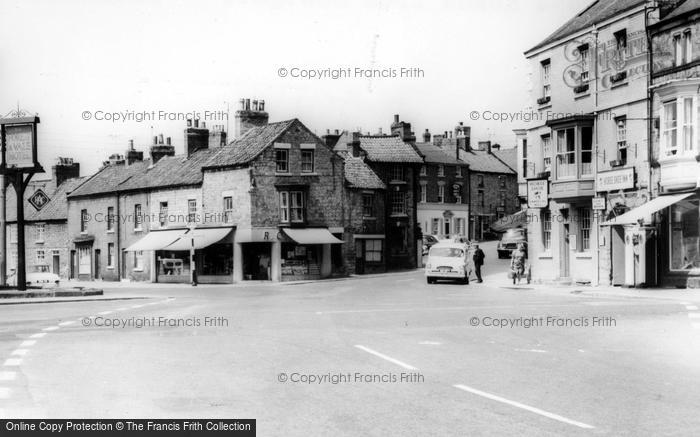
column 685, row 235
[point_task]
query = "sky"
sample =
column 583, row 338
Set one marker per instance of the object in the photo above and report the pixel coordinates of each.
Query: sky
column 75, row 63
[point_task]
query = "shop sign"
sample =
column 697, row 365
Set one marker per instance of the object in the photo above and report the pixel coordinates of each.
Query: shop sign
column 615, row 179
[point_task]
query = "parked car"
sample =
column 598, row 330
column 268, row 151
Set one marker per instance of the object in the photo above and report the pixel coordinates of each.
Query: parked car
column 428, row 242
column 448, row 261
column 39, row 276
column 509, row 242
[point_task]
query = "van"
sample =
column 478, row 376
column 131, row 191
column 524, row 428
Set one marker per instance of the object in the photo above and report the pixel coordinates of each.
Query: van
column 448, row 261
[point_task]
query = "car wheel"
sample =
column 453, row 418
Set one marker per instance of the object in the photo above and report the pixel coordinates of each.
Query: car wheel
column 430, row 280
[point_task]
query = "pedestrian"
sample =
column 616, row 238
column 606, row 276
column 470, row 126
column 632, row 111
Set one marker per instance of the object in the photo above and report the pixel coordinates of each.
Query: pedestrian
column 478, row 259
column 517, row 263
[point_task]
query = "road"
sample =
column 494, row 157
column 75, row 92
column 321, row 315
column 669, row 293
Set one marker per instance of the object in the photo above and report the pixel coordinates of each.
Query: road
column 386, row 355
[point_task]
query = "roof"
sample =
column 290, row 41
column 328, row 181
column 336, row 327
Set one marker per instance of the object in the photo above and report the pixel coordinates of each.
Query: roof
column 508, row 157
column 483, row 161
column 434, row 154
column 342, row 144
column 384, row 148
column 596, row 12
column 359, row 175
column 249, row 146
column 57, row 208
column 686, row 7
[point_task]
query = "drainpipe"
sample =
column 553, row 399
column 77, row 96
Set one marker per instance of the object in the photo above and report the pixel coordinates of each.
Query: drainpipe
column 118, row 249
column 650, row 61
column 595, row 161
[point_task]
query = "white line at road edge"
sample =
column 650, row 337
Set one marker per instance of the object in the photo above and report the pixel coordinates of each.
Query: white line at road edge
column 385, row 357
column 524, row 407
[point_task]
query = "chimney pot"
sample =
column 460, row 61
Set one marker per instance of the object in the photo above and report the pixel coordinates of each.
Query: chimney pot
column 247, row 104
column 189, row 122
column 131, row 144
column 155, row 139
column 167, row 141
column 261, row 105
column 461, row 123
column 396, row 118
column 160, row 139
column 337, row 132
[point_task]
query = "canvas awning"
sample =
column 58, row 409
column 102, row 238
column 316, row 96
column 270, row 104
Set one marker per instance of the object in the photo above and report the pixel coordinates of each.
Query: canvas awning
column 202, row 238
column 156, row 240
column 312, row 236
column 645, row 211
column 517, row 220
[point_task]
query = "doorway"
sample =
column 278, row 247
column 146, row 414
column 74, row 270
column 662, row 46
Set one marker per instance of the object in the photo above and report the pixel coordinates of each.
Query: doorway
column 56, row 261
column 256, row 261
column 564, row 252
column 617, row 247
column 72, row 264
column 97, row 264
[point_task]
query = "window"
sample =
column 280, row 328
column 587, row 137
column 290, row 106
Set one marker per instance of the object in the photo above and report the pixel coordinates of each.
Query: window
column 40, row 232
column 685, row 235
column 40, row 256
column 687, row 46
column 84, row 217
column 423, row 170
column 458, row 171
column 502, row 181
column 307, row 161
column 368, row 205
column 586, row 150
column 688, row 124
column 441, row 170
column 546, row 84
column 502, row 196
column 677, row 120
column 621, row 43
column 110, row 255
column 441, row 194
column 547, row 230
column 669, row 128
column 480, row 180
column 547, row 152
column 84, row 264
column 583, row 51
column 191, row 211
column 435, row 228
column 461, row 226
column 110, row 219
column 447, row 223
column 566, row 153
column 397, row 173
column 138, row 260
column 138, row 218
column 480, row 198
column 423, row 193
column 458, row 197
column 228, row 209
column 682, row 48
column 584, row 216
column 163, row 214
column 398, row 202
column 292, row 206
column 373, row 250
column 282, row 160
column 621, row 124
column 525, row 152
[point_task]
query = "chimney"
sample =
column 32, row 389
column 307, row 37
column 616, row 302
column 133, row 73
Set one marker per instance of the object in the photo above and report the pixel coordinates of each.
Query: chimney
column 131, row 156
column 402, row 129
column 485, row 145
column 380, row 131
column 196, row 138
column 246, row 119
column 426, row 136
column 158, row 151
column 354, row 147
column 155, row 138
column 64, row 169
column 331, row 139
column 217, row 136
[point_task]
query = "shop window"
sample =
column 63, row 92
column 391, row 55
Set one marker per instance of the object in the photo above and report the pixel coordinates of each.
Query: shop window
column 228, row 209
column 163, row 215
column 110, row 219
column 368, row 205
column 282, row 160
column 584, row 217
column 547, row 230
column 685, row 235
column 398, row 202
column 110, row 255
column 307, row 161
column 373, row 250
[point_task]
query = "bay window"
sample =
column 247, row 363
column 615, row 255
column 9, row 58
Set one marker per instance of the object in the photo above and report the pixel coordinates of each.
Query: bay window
column 566, row 153
column 573, row 154
column 678, row 124
column 547, row 152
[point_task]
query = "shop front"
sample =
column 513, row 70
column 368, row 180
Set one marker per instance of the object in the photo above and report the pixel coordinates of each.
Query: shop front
column 306, row 253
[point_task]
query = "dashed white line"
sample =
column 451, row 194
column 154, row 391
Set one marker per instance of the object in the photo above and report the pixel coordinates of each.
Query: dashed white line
column 694, row 315
column 430, row 343
column 8, row 376
column 120, row 309
column 27, row 343
column 20, row 352
column 137, row 306
column 39, row 335
column 67, row 323
column 539, row 351
column 386, row 357
column 691, row 307
column 104, row 313
column 523, row 406
column 13, row 362
column 51, row 328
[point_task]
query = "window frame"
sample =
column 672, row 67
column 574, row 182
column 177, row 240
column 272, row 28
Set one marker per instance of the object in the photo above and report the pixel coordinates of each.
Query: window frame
column 367, row 205
column 546, row 77
column 397, row 173
column 163, row 214
column 191, row 211
column 279, row 160
column 83, row 220
column 111, row 258
column 110, row 219
column 228, row 209
column 621, row 138
column 40, row 260
column 441, row 194
column 305, row 163
column 292, row 206
column 547, row 230
column 40, row 229
column 585, row 221
column 398, row 203
column 377, row 254
column 546, row 142
column 138, row 217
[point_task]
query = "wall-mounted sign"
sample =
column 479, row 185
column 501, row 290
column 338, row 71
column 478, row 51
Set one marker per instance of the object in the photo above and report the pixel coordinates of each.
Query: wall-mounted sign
column 537, row 193
column 456, row 190
column 39, row 199
column 615, row 179
column 599, row 203
column 19, row 142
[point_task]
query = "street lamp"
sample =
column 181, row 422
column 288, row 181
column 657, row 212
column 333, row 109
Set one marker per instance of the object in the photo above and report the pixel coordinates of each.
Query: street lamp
column 193, row 267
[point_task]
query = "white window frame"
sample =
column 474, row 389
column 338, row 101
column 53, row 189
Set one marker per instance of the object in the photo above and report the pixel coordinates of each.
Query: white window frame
column 84, row 260
column 621, row 135
column 584, row 51
column 423, row 193
column 138, row 260
column 398, row 203
column 163, row 214
column 547, row 152
column 546, row 78
column 191, row 210
column 305, row 165
column 40, row 256
column 228, row 209
column 374, row 250
column 110, row 219
column 441, row 194
column 138, row 217
column 585, row 226
column 284, row 206
column 111, row 256
column 684, row 127
column 441, row 170
column 40, row 232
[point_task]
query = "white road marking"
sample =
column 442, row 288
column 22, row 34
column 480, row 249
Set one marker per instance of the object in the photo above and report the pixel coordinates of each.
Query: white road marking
column 430, row 343
column 8, row 376
column 39, row 335
column 120, row 309
column 4, row 393
column 686, row 303
column 68, row 323
column 50, row 328
column 137, row 306
column 104, row 313
column 691, row 307
column 27, row 343
column 524, row 407
column 20, row 352
column 694, row 315
column 13, row 362
column 539, row 351
column 386, row 357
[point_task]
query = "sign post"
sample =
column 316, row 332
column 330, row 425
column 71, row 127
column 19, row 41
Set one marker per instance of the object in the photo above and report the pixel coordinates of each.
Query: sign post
column 19, row 158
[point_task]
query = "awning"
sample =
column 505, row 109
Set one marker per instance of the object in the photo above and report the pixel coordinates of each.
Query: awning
column 645, row 211
column 517, row 220
column 202, row 238
column 312, row 236
column 156, row 240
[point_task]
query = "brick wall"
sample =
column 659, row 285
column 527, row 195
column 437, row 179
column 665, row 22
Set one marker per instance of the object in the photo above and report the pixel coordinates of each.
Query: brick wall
column 357, row 224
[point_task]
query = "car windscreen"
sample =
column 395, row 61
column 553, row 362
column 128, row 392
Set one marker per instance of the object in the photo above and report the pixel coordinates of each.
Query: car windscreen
column 447, row 252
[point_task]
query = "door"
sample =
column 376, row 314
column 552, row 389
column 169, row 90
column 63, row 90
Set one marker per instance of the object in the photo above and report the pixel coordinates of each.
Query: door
column 72, row 264
column 56, row 265
column 359, row 257
column 564, row 253
column 617, row 247
column 123, row 266
column 97, row 264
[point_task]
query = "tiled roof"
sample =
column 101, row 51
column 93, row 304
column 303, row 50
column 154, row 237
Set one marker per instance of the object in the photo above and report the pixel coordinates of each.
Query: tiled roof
column 57, row 208
column 596, row 12
column 685, row 7
column 434, row 154
column 508, row 156
column 381, row 148
column 108, row 179
column 359, row 175
column 483, row 161
column 249, row 146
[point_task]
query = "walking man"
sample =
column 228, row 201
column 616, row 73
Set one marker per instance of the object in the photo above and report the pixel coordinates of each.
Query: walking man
column 478, row 258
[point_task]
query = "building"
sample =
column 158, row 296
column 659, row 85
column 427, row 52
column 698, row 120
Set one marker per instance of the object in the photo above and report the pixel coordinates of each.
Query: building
column 588, row 141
